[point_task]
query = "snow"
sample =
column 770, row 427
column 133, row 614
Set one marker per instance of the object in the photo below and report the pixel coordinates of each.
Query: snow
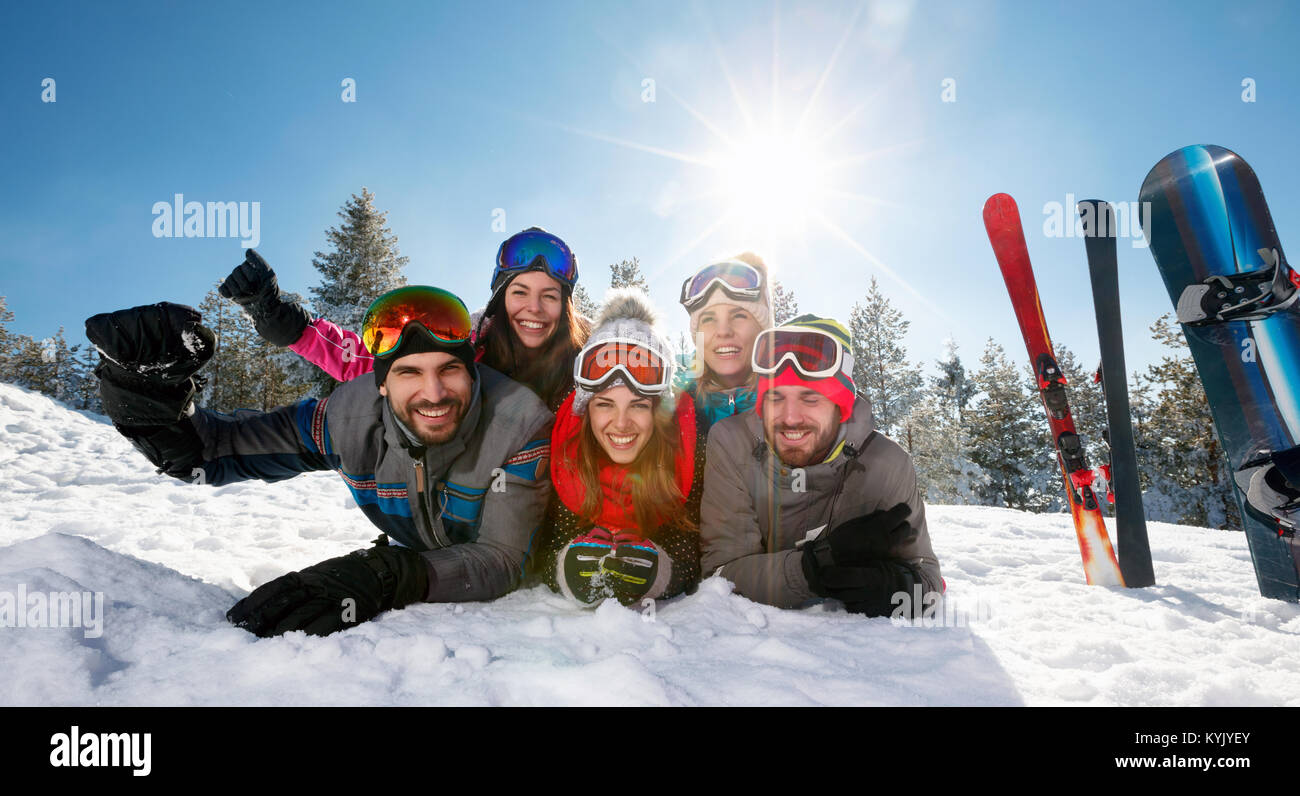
column 84, row 512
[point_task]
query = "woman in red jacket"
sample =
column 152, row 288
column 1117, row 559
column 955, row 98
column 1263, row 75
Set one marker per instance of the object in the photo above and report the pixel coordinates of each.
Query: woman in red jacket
column 627, row 467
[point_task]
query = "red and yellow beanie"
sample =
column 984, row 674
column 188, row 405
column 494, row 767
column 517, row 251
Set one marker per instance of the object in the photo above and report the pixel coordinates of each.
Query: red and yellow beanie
column 840, row 388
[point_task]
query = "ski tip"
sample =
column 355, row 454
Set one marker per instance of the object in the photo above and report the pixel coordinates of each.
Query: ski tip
column 1000, row 201
column 1001, row 210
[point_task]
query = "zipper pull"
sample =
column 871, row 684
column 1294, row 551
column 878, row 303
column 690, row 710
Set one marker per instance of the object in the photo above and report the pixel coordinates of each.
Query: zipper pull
column 419, row 476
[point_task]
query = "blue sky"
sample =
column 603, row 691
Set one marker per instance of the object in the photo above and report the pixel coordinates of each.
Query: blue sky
column 539, row 110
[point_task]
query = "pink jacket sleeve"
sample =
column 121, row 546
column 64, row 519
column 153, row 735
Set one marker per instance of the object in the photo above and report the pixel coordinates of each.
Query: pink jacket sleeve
column 334, row 350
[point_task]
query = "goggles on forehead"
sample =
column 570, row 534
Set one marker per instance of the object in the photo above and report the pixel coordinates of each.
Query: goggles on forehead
column 737, row 279
column 440, row 313
column 535, row 249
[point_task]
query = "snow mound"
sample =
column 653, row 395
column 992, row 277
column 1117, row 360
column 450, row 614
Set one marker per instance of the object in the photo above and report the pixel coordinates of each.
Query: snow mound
column 87, row 515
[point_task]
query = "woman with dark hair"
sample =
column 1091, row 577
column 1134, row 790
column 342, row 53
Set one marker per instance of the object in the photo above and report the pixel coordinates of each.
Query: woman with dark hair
column 627, row 467
column 729, row 303
column 529, row 330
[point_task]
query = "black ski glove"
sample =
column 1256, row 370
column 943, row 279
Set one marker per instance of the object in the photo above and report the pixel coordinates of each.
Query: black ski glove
column 869, row 589
column 253, row 286
column 852, row 561
column 335, row 594
column 148, row 358
column 869, row 537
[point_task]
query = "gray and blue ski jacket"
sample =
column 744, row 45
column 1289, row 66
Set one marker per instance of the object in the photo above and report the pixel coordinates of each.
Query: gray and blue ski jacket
column 470, row 506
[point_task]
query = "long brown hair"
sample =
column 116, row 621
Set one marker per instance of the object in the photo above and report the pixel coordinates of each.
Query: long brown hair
column 549, row 373
column 651, row 479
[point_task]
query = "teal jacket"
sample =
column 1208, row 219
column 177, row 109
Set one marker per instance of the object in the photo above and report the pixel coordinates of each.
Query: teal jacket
column 713, row 405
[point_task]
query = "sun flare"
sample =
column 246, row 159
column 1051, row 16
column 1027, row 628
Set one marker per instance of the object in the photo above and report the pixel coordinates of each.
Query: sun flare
column 775, row 182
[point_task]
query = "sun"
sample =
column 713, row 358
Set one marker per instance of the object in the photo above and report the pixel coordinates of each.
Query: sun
column 775, row 182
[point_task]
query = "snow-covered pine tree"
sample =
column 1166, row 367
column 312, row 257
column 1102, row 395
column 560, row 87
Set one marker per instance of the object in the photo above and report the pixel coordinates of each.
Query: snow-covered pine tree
column 784, row 305
column 583, row 305
column 939, row 446
column 224, row 371
column 363, row 265
column 627, row 274
column 6, row 340
column 880, row 366
column 1189, row 476
column 951, row 388
column 86, row 392
column 1005, row 443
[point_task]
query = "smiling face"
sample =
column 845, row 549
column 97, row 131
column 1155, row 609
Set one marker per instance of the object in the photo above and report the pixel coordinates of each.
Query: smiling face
column 800, row 424
column 429, row 393
column 622, row 422
column 725, row 339
column 534, row 303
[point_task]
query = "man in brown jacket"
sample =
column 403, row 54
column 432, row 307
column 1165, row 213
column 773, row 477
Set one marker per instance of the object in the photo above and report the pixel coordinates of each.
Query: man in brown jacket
column 803, row 498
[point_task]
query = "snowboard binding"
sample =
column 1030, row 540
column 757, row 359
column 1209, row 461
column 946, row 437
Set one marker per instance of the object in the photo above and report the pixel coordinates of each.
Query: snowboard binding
column 1246, row 296
column 1269, row 482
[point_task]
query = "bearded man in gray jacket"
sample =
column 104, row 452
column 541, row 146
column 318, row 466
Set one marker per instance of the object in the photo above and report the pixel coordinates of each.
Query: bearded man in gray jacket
column 447, row 457
column 803, row 498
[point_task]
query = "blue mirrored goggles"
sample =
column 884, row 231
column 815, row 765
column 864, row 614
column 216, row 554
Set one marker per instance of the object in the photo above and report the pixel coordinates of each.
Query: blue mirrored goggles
column 536, row 249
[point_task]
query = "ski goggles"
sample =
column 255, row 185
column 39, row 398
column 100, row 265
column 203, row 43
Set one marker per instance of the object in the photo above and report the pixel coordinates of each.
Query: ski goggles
column 535, row 249
column 815, row 354
column 738, row 279
column 646, row 370
column 441, row 314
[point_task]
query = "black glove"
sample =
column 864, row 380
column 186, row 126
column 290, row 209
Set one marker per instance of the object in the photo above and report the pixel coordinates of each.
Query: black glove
column 869, row 537
column 253, row 286
column 315, row 599
column 870, row 589
column 852, row 562
column 631, row 569
column 148, row 358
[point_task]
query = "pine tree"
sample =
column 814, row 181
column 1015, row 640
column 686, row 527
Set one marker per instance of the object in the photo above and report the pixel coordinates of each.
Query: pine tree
column 880, row 367
column 1005, row 439
column 224, row 372
column 939, row 448
column 951, row 388
column 784, row 304
column 363, row 265
column 583, row 304
column 627, row 274
column 1188, row 474
column 47, row 366
column 6, row 340
column 86, row 392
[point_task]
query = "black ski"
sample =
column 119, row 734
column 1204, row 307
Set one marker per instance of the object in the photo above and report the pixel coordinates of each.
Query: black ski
column 1133, row 549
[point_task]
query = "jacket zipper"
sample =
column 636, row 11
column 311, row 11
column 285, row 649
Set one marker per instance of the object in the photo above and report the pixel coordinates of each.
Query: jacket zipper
column 431, row 539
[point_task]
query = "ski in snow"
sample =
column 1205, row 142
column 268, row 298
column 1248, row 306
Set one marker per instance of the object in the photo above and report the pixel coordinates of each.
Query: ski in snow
column 1130, row 520
column 1002, row 221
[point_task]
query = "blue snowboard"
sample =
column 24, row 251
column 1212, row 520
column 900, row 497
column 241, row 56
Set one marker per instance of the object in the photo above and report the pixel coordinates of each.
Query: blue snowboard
column 1209, row 217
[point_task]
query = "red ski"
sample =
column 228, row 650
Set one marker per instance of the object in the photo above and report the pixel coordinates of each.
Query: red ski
column 1002, row 220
